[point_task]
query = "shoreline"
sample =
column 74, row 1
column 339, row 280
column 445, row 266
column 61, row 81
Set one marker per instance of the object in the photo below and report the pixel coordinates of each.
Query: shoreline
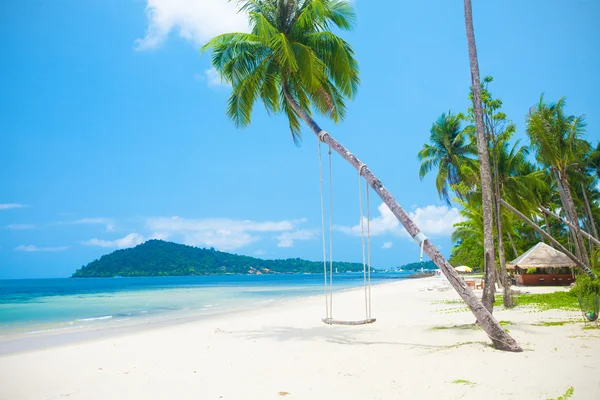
column 424, row 344
column 26, row 341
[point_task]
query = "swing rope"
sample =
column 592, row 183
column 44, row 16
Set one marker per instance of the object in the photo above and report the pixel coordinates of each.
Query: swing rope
column 327, row 308
column 367, row 260
column 365, row 256
column 368, row 245
column 330, row 238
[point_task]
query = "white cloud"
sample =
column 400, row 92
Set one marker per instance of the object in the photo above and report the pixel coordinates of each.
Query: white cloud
column 387, row 245
column 20, row 227
column 33, row 248
column 432, row 220
column 131, row 240
column 220, row 233
column 194, row 20
column 436, row 220
column 8, row 206
column 386, row 223
column 286, row 239
column 260, row 252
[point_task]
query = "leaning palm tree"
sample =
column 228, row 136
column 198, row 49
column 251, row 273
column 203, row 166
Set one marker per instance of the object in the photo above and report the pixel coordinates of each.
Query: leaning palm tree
column 294, row 64
column 448, row 150
column 556, row 139
column 484, row 162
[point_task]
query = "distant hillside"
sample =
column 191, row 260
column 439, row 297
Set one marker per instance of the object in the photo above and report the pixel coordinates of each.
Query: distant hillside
column 160, row 258
column 416, row 266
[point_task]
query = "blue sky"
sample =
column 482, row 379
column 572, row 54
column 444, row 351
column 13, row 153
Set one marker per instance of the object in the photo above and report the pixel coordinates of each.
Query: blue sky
column 113, row 128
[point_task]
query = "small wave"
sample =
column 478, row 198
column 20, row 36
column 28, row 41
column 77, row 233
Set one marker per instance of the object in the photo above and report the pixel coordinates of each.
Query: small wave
column 46, row 330
column 209, row 305
column 94, row 319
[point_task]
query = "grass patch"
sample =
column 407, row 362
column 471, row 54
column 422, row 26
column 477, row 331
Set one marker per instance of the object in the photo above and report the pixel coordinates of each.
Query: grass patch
column 554, row 323
column 504, row 323
column 567, row 395
column 545, row 301
column 464, row 382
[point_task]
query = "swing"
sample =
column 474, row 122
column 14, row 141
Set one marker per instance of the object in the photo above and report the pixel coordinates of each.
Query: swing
column 366, row 261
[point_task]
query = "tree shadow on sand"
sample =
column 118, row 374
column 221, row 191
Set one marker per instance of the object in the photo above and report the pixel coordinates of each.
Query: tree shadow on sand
column 340, row 336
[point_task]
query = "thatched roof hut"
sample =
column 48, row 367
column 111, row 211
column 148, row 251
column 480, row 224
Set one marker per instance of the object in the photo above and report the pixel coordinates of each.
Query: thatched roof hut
column 541, row 256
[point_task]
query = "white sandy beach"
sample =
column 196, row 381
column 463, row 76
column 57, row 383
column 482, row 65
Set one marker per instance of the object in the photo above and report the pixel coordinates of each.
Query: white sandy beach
column 285, row 351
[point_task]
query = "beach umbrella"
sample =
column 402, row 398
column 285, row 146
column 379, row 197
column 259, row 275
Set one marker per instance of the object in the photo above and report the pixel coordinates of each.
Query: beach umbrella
column 463, row 268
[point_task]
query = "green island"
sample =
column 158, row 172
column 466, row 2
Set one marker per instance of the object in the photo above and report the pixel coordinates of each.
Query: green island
column 161, row 258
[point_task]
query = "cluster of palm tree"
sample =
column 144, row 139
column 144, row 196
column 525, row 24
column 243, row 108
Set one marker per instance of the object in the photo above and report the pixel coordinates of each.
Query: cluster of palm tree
column 545, row 191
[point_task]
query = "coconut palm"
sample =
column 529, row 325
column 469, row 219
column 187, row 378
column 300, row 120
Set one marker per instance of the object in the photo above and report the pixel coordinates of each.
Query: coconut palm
column 556, row 139
column 516, row 183
column 484, row 162
column 294, row 64
column 448, row 150
column 521, row 183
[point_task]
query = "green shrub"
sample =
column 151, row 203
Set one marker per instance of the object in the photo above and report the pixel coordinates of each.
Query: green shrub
column 586, row 286
column 531, row 271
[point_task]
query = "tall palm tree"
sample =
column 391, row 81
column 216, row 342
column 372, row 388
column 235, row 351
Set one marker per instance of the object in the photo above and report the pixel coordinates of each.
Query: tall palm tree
column 484, row 161
column 293, row 63
column 516, row 183
column 448, row 150
column 556, row 139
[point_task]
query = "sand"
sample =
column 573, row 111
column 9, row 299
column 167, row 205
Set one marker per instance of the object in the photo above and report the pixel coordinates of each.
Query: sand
column 284, row 351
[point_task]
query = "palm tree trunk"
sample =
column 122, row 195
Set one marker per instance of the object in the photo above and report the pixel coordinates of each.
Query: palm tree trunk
column 547, row 224
column 593, row 231
column 586, row 226
column 568, row 214
column 512, row 244
column 499, row 337
column 574, row 220
column 564, row 221
column 584, row 268
column 537, row 222
column 484, row 162
column 504, row 279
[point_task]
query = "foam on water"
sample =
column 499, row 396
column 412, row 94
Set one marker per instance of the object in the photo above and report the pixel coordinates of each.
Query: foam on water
column 95, row 319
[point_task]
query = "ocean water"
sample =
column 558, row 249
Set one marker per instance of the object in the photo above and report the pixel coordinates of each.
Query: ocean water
column 34, row 306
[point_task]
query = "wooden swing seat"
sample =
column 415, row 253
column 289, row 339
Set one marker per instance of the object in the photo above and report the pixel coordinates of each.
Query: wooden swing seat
column 331, row 321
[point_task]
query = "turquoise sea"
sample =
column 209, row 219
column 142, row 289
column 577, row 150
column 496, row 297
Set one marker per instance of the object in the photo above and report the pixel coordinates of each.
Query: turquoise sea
column 38, row 306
